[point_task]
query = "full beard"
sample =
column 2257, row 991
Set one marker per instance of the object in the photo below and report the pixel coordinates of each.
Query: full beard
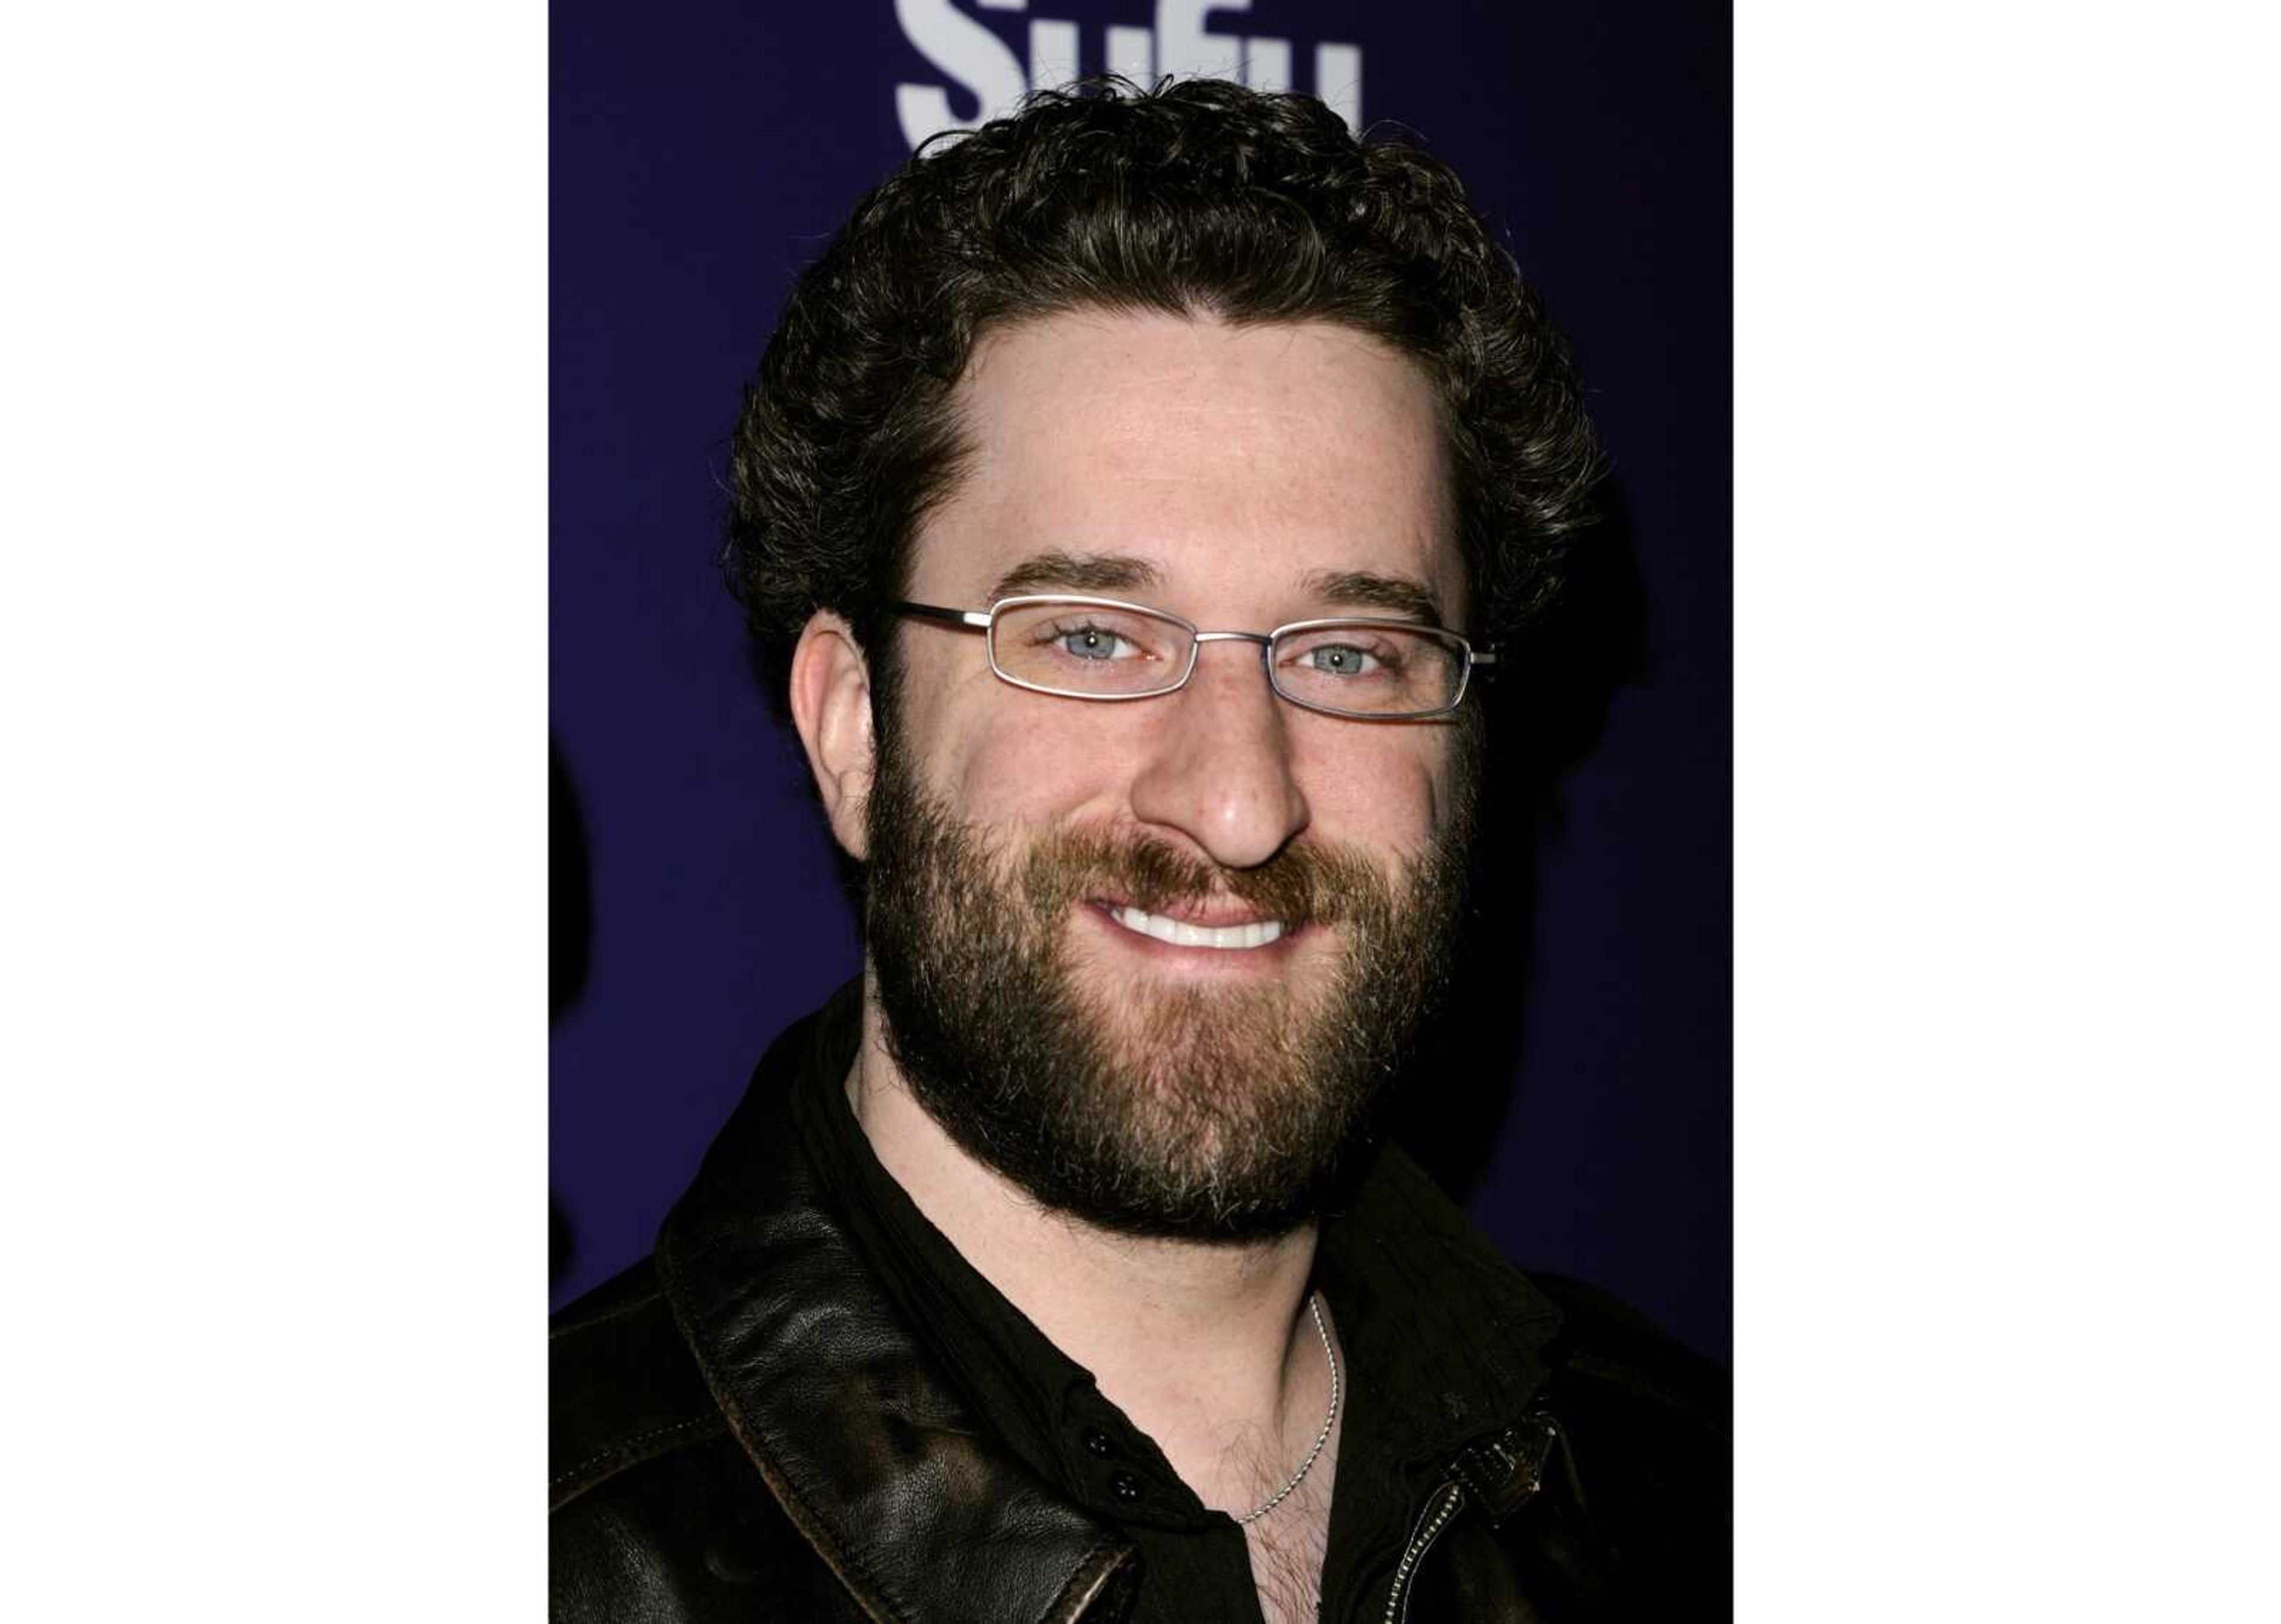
column 1155, row 1106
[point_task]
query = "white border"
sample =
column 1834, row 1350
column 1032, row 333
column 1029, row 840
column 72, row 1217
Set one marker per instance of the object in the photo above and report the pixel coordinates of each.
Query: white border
column 2005, row 872
column 272, row 644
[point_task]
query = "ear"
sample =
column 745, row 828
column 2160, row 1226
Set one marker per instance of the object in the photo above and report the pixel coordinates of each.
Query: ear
column 832, row 710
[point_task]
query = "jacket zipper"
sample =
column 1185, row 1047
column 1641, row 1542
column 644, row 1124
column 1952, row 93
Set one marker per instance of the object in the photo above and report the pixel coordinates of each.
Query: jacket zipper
column 1437, row 1513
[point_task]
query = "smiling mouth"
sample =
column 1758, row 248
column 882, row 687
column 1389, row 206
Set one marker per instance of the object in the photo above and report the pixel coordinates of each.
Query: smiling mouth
column 1182, row 933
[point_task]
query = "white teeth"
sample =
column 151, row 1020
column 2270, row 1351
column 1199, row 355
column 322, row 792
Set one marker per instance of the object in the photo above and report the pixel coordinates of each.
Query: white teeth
column 1181, row 933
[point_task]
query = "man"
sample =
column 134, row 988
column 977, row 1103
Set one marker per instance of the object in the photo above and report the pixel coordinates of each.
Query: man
column 1128, row 504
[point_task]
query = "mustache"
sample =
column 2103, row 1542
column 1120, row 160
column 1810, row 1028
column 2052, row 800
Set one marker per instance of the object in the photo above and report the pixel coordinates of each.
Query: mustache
column 1301, row 884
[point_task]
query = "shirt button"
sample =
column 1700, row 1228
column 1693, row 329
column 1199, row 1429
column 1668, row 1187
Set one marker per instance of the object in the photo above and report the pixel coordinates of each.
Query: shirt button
column 1126, row 1485
column 1096, row 1443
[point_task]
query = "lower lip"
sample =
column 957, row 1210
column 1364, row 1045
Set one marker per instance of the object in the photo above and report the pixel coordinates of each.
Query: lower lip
column 1236, row 960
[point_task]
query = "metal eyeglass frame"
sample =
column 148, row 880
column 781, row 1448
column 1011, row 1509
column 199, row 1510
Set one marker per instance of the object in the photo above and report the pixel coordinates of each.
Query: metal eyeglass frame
column 985, row 620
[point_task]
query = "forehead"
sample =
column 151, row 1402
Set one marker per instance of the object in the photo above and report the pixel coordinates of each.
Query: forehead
column 1248, row 468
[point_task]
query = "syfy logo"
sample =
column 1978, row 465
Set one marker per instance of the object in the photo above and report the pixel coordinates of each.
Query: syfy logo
column 975, row 57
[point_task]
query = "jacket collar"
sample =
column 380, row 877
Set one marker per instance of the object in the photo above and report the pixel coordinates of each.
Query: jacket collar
column 905, row 1494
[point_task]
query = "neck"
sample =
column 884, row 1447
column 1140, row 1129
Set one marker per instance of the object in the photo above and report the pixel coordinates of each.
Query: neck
column 1209, row 1349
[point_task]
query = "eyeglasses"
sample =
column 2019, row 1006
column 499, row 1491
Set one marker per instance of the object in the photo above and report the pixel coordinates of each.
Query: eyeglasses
column 1100, row 648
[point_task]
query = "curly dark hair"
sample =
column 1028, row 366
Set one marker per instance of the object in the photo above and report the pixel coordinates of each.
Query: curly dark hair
column 1198, row 197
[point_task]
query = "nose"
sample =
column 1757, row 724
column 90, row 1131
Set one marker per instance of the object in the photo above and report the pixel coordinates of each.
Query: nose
column 1219, row 767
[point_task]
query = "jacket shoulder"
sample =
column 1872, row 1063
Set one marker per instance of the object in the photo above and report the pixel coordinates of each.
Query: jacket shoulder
column 655, row 1510
column 1637, row 1519
column 1608, row 1356
column 623, row 1387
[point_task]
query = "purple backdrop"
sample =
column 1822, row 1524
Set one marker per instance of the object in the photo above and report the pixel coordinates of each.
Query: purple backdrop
column 702, row 152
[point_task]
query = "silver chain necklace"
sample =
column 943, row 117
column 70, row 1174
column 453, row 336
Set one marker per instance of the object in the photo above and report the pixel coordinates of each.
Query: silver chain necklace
column 1315, row 1305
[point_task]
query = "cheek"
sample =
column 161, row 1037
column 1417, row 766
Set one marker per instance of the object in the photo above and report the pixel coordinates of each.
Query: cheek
column 1030, row 761
column 953, row 737
column 1389, row 795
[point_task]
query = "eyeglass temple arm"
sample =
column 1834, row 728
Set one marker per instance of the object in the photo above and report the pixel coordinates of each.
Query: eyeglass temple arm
column 979, row 618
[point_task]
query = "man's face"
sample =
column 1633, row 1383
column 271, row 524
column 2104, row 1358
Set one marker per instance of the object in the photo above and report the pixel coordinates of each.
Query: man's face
column 1242, row 478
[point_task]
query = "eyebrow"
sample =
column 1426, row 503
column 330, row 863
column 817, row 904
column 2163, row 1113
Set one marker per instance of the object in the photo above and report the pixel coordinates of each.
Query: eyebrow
column 1121, row 572
column 1078, row 572
column 1359, row 589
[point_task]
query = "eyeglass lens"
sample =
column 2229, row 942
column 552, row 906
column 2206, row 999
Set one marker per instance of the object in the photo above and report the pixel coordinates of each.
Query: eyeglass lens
column 1094, row 651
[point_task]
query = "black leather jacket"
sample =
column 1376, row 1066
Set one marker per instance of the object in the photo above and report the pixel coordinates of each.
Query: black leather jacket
column 743, row 1429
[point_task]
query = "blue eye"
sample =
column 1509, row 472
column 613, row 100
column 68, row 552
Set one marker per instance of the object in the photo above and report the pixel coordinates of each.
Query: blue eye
column 1341, row 660
column 1092, row 642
